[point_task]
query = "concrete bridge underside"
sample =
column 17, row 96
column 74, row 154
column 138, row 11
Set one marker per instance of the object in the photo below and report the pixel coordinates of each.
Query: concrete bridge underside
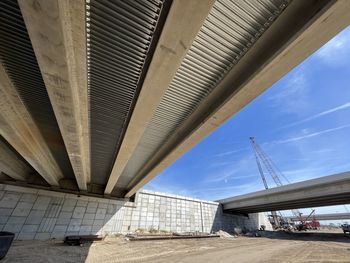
column 98, row 97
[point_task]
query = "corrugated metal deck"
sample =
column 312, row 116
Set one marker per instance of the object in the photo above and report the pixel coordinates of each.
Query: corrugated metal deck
column 18, row 58
column 121, row 38
column 230, row 29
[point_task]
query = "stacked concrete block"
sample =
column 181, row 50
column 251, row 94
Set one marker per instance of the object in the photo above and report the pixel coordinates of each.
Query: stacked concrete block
column 14, row 210
column 39, row 214
column 173, row 213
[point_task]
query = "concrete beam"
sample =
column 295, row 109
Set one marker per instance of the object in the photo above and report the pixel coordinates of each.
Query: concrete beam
column 184, row 20
column 11, row 165
column 57, row 32
column 328, row 190
column 5, row 178
column 19, row 129
column 320, row 217
column 299, row 31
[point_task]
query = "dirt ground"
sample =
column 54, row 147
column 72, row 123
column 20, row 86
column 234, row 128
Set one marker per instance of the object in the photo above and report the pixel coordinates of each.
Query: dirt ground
column 272, row 247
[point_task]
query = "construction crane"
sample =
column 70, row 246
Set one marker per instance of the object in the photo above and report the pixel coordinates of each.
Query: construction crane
column 306, row 223
column 258, row 153
column 276, row 176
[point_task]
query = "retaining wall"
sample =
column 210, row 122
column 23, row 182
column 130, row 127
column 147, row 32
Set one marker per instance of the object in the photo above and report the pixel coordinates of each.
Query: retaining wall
column 41, row 214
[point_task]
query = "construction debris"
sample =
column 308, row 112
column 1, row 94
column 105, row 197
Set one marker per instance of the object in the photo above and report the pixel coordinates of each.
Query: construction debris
column 79, row 240
column 224, row 234
column 159, row 236
column 237, row 230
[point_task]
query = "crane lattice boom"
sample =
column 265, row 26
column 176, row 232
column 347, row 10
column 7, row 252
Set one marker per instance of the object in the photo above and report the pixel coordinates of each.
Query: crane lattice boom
column 261, row 155
column 267, row 162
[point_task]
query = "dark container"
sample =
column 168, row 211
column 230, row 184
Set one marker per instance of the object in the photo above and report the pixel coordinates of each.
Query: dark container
column 6, row 239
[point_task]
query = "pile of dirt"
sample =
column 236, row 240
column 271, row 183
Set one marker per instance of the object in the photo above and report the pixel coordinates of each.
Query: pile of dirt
column 224, row 234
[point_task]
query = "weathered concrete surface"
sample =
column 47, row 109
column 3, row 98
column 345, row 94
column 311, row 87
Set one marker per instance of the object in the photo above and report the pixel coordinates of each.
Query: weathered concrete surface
column 284, row 45
column 57, row 32
column 328, row 190
column 19, row 129
column 11, row 165
column 41, row 214
column 181, row 27
column 56, row 29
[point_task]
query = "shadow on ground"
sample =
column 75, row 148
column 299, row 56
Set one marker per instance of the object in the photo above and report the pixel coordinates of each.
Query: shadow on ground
column 46, row 251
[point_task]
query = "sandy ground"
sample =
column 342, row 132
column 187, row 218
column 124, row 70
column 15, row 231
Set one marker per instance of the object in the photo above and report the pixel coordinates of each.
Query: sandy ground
column 298, row 247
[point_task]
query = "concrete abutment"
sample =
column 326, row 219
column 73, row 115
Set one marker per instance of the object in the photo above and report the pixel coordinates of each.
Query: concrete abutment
column 41, row 214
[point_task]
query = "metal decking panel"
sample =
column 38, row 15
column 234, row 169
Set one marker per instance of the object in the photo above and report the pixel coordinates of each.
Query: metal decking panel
column 18, row 58
column 230, row 29
column 119, row 38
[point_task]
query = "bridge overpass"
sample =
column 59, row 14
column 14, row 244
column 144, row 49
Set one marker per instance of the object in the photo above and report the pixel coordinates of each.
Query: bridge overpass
column 98, row 97
column 324, row 191
column 320, row 217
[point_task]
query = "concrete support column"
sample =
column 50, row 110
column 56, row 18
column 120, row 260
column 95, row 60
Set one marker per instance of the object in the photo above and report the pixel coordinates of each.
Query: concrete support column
column 57, row 32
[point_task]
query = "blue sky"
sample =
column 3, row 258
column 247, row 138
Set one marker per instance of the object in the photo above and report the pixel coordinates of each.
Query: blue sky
column 302, row 122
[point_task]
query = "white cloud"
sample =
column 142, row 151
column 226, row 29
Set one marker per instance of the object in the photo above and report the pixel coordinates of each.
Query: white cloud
column 225, row 176
column 167, row 188
column 310, row 172
column 310, row 135
column 231, row 152
column 336, row 52
column 318, row 115
column 324, row 150
column 232, row 170
column 220, row 192
column 206, row 192
column 215, row 164
column 219, row 176
column 293, row 94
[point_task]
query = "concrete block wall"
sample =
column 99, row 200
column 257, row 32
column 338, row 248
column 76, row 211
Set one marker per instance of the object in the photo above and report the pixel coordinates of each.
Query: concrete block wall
column 41, row 214
column 168, row 212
